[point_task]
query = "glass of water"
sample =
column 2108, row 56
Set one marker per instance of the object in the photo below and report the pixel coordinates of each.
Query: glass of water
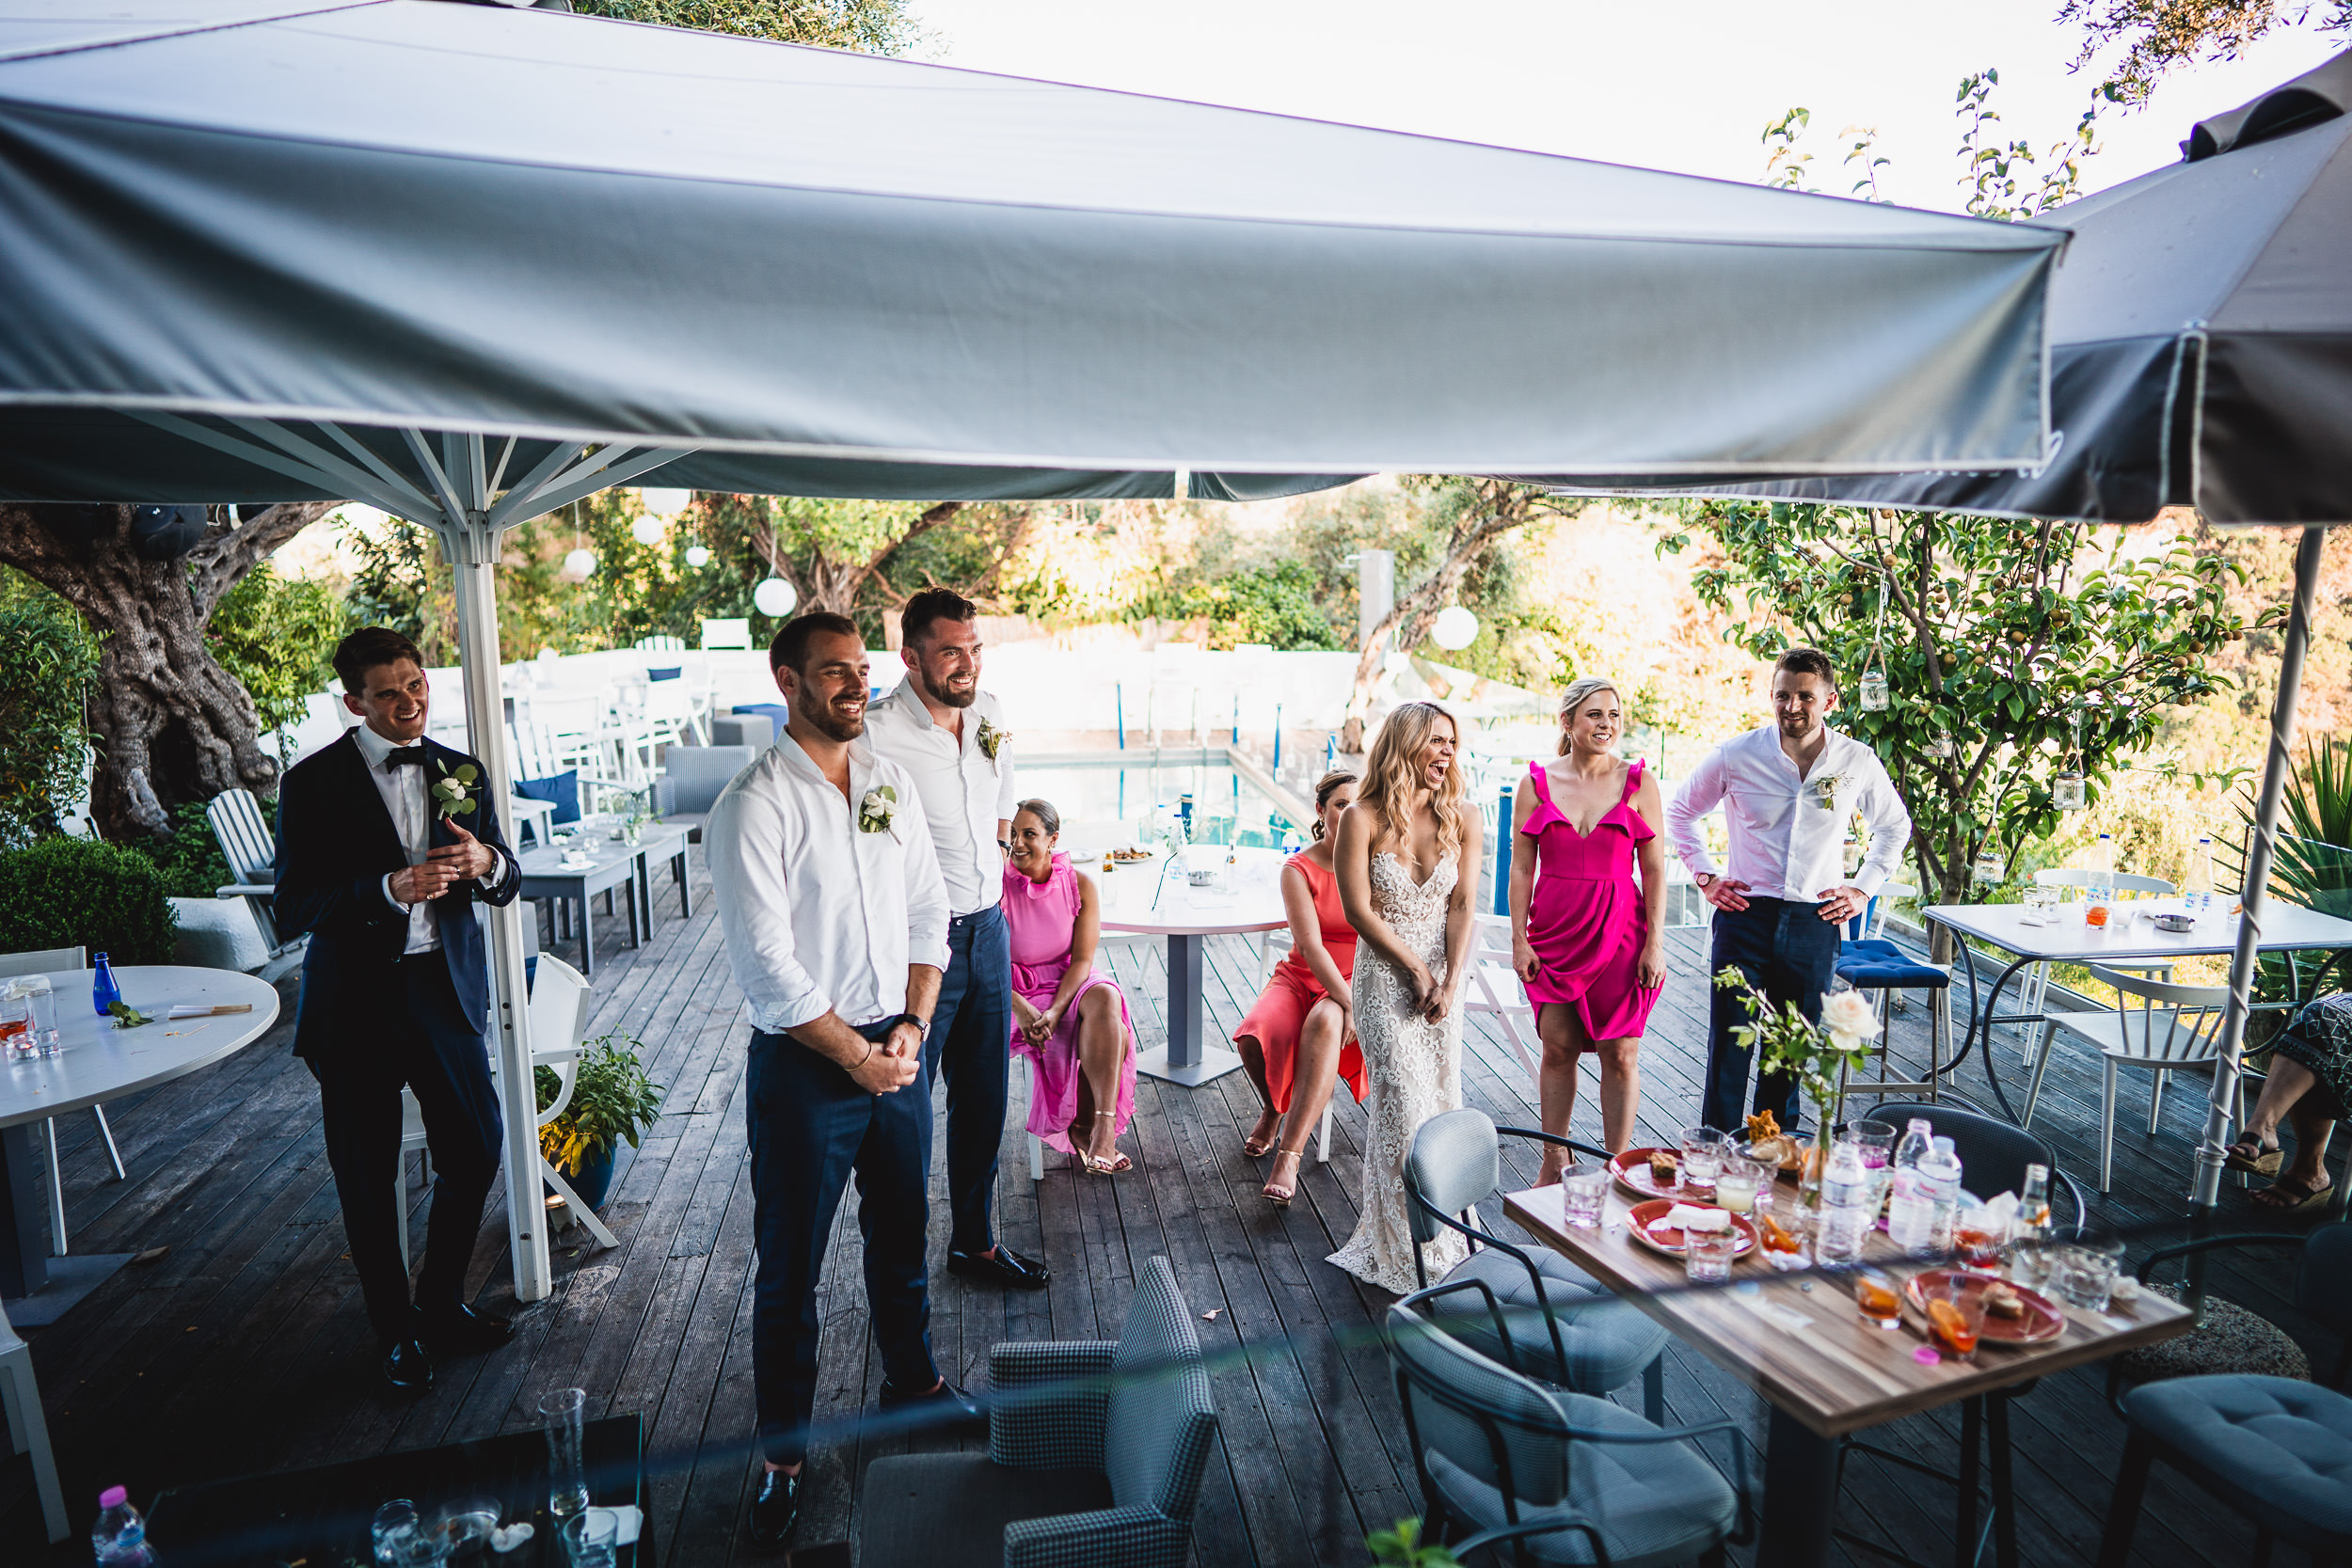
column 591, row 1538
column 2083, row 1270
column 1707, row 1255
column 562, row 1412
column 1583, row 1193
column 41, row 1014
column 16, row 1034
column 399, row 1536
column 1703, row 1152
column 2040, row 900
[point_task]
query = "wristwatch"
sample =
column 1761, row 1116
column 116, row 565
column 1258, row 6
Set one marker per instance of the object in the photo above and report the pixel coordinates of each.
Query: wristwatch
column 922, row 1025
column 1706, row 878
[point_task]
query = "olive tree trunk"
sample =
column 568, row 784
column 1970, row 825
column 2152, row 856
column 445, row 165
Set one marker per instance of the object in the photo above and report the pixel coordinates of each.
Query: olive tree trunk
column 170, row 724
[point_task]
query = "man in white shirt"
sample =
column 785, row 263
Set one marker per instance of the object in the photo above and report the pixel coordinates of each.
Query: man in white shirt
column 836, row 921
column 1787, row 791
column 950, row 736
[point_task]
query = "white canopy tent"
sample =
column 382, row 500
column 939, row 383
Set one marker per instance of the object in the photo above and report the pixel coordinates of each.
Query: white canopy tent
column 470, row 265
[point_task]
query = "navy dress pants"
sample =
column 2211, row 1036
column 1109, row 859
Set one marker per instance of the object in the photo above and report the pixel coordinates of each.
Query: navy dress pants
column 1788, row 952
column 970, row 1047
column 810, row 1127
column 422, row 1042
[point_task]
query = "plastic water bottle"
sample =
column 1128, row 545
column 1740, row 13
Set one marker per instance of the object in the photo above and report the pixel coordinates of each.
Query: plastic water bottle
column 119, row 1537
column 1846, row 1189
column 2100, row 902
column 1942, row 1167
column 104, row 991
column 1911, row 1212
column 2197, row 881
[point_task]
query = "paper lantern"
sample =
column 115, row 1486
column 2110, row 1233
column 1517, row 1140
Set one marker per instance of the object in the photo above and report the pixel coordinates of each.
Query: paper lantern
column 1454, row 628
column 579, row 563
column 775, row 597
column 647, row 529
column 698, row 555
column 665, row 504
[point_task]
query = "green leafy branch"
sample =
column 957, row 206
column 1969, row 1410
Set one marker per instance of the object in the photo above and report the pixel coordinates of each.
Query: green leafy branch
column 1784, row 1042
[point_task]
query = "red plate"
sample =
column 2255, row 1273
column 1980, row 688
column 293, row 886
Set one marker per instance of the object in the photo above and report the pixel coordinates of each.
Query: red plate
column 2042, row 1322
column 1639, row 1218
column 1632, row 1173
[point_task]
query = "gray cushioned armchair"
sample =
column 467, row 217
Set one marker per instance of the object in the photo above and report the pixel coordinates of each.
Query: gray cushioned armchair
column 1095, row 1454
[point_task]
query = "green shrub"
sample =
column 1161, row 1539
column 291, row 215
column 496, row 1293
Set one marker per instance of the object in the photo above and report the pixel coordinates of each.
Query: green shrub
column 188, row 857
column 1259, row 603
column 276, row 636
column 47, row 659
column 76, row 891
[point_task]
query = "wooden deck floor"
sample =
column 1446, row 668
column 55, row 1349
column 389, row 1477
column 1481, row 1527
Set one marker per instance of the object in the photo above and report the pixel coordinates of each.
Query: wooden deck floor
column 244, row 1348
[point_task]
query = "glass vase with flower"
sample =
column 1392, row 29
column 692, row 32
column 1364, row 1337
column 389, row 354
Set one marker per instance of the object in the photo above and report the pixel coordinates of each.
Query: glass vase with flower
column 1817, row 1055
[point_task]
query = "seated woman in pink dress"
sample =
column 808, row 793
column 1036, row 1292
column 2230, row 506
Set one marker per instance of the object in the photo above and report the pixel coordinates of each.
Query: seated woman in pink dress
column 1299, row 1036
column 1587, row 942
column 1069, row 1020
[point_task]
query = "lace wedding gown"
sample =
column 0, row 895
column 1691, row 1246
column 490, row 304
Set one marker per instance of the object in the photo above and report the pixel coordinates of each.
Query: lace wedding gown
column 1416, row 1072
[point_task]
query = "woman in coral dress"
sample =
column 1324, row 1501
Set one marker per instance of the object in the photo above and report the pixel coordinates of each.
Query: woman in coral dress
column 1069, row 1020
column 1587, row 942
column 1299, row 1037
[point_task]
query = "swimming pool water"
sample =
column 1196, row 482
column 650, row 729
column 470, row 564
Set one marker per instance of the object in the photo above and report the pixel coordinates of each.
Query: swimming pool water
column 1103, row 804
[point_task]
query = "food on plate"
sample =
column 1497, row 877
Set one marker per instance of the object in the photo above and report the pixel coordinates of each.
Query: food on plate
column 2002, row 1302
column 1664, row 1164
column 1692, row 1216
column 1769, row 1144
column 1123, row 856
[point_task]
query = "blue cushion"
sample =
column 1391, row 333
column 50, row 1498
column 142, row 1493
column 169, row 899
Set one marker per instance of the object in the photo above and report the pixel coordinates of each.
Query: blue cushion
column 670, row 672
column 1874, row 964
column 2278, row 1449
column 1608, row 1341
column 562, row 791
column 775, row 711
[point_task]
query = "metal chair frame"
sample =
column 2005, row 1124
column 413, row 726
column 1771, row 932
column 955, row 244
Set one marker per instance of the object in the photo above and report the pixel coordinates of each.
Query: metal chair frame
column 2187, row 1019
column 29, row 1429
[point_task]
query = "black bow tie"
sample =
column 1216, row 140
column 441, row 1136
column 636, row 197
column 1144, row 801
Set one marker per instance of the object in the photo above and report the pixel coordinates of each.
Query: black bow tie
column 405, row 756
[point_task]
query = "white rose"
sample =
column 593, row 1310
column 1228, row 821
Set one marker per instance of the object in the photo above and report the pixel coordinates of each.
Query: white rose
column 1848, row 1018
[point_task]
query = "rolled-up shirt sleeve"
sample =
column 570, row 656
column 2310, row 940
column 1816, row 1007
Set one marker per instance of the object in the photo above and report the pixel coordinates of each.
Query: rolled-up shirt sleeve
column 926, row 890
column 743, row 841
column 1701, row 793
column 1889, row 823
column 1008, row 787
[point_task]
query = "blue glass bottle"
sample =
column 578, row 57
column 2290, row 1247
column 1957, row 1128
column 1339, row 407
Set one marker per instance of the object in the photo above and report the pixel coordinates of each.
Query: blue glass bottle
column 104, row 991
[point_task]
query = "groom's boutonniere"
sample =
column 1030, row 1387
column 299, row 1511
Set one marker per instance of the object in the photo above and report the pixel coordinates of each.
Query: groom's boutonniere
column 993, row 740
column 1821, row 790
column 878, row 811
column 456, row 791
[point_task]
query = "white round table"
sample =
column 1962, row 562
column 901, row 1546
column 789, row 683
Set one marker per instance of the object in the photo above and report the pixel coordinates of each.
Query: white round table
column 101, row 1062
column 1158, row 900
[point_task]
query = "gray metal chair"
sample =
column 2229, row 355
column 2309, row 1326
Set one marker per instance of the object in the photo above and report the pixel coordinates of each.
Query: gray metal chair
column 2153, row 1024
column 1563, row 1325
column 1994, row 1154
column 692, row 776
column 1095, row 1455
column 28, row 1430
column 1555, row 1477
column 2277, row 1449
column 251, row 850
column 49, row 961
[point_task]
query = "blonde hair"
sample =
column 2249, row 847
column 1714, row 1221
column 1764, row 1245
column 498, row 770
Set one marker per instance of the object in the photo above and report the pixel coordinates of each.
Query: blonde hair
column 1326, row 788
column 1391, row 781
column 1574, row 697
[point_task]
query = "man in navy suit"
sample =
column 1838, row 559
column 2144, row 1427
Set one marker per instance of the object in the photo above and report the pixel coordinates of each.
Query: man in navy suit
column 386, row 841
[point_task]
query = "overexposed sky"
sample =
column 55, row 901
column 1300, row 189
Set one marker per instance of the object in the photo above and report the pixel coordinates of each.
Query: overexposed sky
column 1686, row 86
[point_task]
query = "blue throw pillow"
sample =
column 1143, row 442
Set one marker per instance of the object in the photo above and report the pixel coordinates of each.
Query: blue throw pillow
column 562, row 791
column 670, row 674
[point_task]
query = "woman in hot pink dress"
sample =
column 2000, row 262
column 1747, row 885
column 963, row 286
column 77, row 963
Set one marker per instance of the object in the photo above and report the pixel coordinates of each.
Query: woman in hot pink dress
column 1069, row 1020
column 1588, row 943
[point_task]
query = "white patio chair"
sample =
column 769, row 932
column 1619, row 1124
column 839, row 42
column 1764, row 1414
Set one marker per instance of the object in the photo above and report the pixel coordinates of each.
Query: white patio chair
column 28, row 1430
column 537, row 753
column 48, row 961
column 2034, row 987
column 727, row 633
column 1494, row 988
column 250, row 849
column 661, row 643
column 2152, row 1025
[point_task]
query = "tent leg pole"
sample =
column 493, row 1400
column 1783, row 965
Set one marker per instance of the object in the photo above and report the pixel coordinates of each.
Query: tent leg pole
column 2221, row 1108
column 472, row 547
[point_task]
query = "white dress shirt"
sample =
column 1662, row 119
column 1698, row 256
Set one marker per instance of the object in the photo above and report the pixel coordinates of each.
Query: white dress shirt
column 405, row 791
column 964, row 793
column 1786, row 833
column 818, row 914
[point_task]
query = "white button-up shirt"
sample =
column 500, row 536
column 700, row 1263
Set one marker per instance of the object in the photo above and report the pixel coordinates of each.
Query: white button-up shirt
column 405, row 791
column 965, row 793
column 818, row 916
column 1786, row 833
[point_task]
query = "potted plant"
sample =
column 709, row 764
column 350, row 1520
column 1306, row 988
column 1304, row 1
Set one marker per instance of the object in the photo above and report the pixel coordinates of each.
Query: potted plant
column 613, row 1099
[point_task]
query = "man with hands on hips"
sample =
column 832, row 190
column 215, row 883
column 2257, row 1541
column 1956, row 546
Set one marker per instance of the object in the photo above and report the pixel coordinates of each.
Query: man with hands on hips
column 835, row 918
column 1780, row 906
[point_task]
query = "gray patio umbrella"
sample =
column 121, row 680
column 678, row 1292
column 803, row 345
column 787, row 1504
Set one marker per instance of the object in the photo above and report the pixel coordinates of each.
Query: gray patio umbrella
column 470, row 265
column 2201, row 355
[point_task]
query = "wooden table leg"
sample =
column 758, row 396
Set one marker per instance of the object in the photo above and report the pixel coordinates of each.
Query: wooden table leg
column 1799, row 1494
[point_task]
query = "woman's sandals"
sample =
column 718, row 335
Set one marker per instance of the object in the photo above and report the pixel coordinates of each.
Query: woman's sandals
column 1275, row 1192
column 2253, row 1158
column 1108, row 1164
column 2288, row 1196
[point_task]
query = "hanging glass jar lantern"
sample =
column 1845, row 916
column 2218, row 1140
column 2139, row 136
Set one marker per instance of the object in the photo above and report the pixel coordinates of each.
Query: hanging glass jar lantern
column 1874, row 692
column 2067, row 792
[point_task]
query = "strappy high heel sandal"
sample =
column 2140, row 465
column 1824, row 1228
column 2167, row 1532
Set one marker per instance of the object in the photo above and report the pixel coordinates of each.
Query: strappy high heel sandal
column 1111, row 1163
column 1274, row 1192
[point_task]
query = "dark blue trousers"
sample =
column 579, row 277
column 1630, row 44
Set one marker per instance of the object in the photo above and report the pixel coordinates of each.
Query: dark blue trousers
column 970, row 1046
column 810, row 1126
column 423, row 1040
column 1788, row 952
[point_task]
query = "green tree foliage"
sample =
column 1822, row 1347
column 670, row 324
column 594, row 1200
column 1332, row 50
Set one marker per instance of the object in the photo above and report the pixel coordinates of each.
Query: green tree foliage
column 2005, row 180
column 189, row 857
column 1999, row 640
column 2160, row 35
column 1273, row 604
column 277, row 635
column 868, row 26
column 77, row 892
column 47, row 659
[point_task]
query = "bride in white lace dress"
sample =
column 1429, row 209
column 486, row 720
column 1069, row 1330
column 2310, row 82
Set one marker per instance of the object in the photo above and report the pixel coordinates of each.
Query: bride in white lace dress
column 1405, row 855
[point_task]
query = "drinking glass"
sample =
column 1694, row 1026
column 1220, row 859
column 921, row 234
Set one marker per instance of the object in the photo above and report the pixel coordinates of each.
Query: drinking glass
column 1736, row 1184
column 1786, row 1246
column 1875, row 1139
column 2041, row 901
column 2029, row 1259
column 563, row 1412
column 400, row 1537
column 16, row 1034
column 1707, row 1255
column 590, row 1537
column 1879, row 1299
column 2083, row 1270
column 1956, row 1315
column 1583, row 1193
column 41, row 1014
column 1703, row 1152
column 463, row 1525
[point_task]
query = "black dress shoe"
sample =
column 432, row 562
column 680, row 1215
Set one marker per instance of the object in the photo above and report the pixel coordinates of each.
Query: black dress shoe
column 1002, row 1267
column 776, row 1508
column 947, row 1404
column 463, row 1331
column 408, row 1368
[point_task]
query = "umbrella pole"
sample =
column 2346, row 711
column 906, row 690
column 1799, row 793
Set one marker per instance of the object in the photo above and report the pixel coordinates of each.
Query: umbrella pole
column 471, row 544
column 2221, row 1111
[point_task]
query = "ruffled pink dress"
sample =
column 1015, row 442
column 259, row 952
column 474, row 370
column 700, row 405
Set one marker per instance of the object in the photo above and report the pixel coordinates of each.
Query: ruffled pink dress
column 1042, row 917
column 1584, row 919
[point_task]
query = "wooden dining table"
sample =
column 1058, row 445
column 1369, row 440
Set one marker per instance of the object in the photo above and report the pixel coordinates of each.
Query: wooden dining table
column 1800, row 1343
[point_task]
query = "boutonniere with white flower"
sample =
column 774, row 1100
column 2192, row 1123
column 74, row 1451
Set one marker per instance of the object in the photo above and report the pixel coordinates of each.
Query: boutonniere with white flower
column 1821, row 789
column 993, row 740
column 878, row 811
column 456, row 791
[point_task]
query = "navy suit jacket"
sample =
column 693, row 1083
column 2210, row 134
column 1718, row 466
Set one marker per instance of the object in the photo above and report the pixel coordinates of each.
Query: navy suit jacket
column 336, row 844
